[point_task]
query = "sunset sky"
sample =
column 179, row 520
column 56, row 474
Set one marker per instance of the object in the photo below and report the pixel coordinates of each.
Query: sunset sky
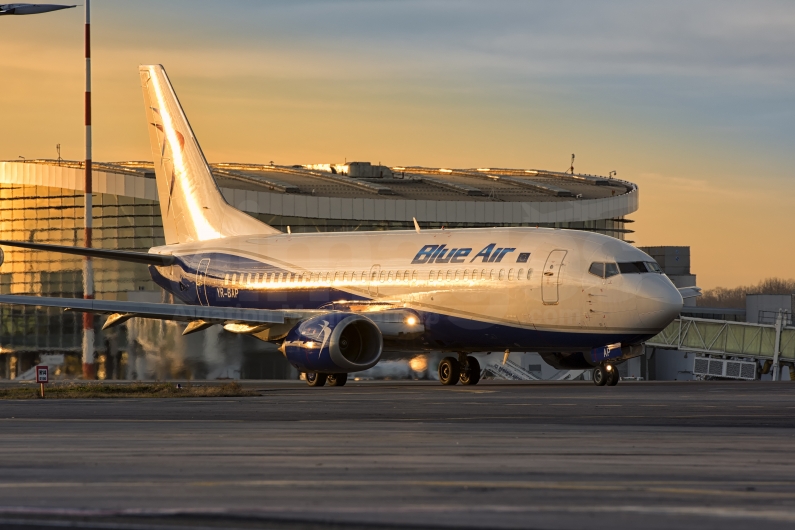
column 694, row 100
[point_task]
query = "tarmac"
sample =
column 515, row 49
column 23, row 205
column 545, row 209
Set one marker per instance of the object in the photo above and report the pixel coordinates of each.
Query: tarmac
column 407, row 455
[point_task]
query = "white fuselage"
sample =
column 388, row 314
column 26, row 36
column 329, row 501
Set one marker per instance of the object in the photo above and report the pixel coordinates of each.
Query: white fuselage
column 539, row 283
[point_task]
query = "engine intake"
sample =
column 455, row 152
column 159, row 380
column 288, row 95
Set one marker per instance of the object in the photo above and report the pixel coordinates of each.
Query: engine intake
column 334, row 343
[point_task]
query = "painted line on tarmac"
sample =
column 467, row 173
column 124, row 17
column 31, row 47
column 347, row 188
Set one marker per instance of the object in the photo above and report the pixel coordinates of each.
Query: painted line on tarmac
column 676, row 488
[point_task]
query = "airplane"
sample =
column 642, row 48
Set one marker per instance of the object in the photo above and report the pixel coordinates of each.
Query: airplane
column 30, row 9
column 335, row 302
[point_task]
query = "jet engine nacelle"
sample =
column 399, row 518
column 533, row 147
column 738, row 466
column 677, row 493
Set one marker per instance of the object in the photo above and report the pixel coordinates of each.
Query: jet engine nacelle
column 334, row 343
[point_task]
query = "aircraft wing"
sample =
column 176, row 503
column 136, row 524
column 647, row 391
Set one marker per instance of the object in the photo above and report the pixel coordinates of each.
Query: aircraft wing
column 240, row 320
column 690, row 292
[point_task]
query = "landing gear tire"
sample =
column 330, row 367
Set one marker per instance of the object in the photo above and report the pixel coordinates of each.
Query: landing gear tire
column 471, row 376
column 316, row 379
column 449, row 371
column 337, row 379
column 613, row 377
column 600, row 376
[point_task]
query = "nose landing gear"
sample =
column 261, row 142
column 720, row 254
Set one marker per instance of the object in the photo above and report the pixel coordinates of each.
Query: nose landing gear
column 606, row 374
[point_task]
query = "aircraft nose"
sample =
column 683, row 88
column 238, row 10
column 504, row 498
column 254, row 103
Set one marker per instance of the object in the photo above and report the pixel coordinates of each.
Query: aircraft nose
column 658, row 301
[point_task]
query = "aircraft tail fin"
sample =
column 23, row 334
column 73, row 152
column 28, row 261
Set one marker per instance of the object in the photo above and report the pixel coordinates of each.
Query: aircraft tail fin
column 192, row 206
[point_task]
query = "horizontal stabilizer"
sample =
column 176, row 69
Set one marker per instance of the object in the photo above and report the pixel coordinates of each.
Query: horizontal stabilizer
column 161, row 260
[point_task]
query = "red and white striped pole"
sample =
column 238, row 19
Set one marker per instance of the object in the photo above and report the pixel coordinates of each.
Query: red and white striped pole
column 88, row 270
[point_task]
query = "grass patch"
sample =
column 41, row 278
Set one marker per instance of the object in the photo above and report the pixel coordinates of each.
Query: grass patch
column 83, row 390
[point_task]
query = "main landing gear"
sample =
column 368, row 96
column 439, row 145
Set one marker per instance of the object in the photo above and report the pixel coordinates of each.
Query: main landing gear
column 317, row 379
column 606, row 374
column 465, row 369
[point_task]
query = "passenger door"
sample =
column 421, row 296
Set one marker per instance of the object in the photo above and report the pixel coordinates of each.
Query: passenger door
column 201, row 281
column 550, row 279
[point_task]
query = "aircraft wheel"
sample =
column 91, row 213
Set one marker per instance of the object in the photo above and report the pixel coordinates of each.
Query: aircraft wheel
column 600, row 376
column 449, row 371
column 316, row 379
column 613, row 377
column 337, row 379
column 471, row 376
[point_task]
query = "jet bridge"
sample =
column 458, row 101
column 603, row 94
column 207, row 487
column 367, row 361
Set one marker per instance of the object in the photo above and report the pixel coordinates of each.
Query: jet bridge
column 725, row 343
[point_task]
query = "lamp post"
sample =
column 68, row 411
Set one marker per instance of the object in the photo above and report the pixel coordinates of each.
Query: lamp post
column 88, row 270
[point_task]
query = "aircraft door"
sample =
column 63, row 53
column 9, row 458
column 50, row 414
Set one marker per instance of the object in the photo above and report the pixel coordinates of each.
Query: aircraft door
column 201, row 281
column 372, row 279
column 550, row 279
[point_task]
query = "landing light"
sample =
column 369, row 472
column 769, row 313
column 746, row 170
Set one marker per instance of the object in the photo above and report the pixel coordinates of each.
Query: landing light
column 411, row 321
column 310, row 344
column 609, row 367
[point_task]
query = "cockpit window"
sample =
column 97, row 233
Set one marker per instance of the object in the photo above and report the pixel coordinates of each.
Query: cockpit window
column 639, row 267
column 597, row 269
column 607, row 270
column 603, row 270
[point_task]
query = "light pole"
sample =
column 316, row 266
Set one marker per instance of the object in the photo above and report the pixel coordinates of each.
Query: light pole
column 88, row 270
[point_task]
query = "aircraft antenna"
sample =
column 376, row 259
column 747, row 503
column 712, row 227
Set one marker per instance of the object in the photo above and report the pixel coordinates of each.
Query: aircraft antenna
column 416, row 225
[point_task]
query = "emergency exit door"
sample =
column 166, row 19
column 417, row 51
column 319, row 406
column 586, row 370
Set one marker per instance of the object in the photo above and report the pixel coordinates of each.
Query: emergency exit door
column 550, row 279
column 373, row 279
column 201, row 281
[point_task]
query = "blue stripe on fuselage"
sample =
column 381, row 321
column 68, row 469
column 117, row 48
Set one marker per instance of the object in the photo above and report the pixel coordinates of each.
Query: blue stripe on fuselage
column 221, row 294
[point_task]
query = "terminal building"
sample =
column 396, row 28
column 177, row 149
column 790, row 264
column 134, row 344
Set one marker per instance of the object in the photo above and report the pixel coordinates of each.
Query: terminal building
column 42, row 201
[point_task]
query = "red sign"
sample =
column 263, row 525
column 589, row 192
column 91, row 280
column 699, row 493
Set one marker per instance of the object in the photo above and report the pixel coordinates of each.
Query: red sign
column 42, row 374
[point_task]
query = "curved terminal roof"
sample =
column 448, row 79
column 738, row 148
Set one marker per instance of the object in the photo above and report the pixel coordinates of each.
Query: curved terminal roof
column 359, row 190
